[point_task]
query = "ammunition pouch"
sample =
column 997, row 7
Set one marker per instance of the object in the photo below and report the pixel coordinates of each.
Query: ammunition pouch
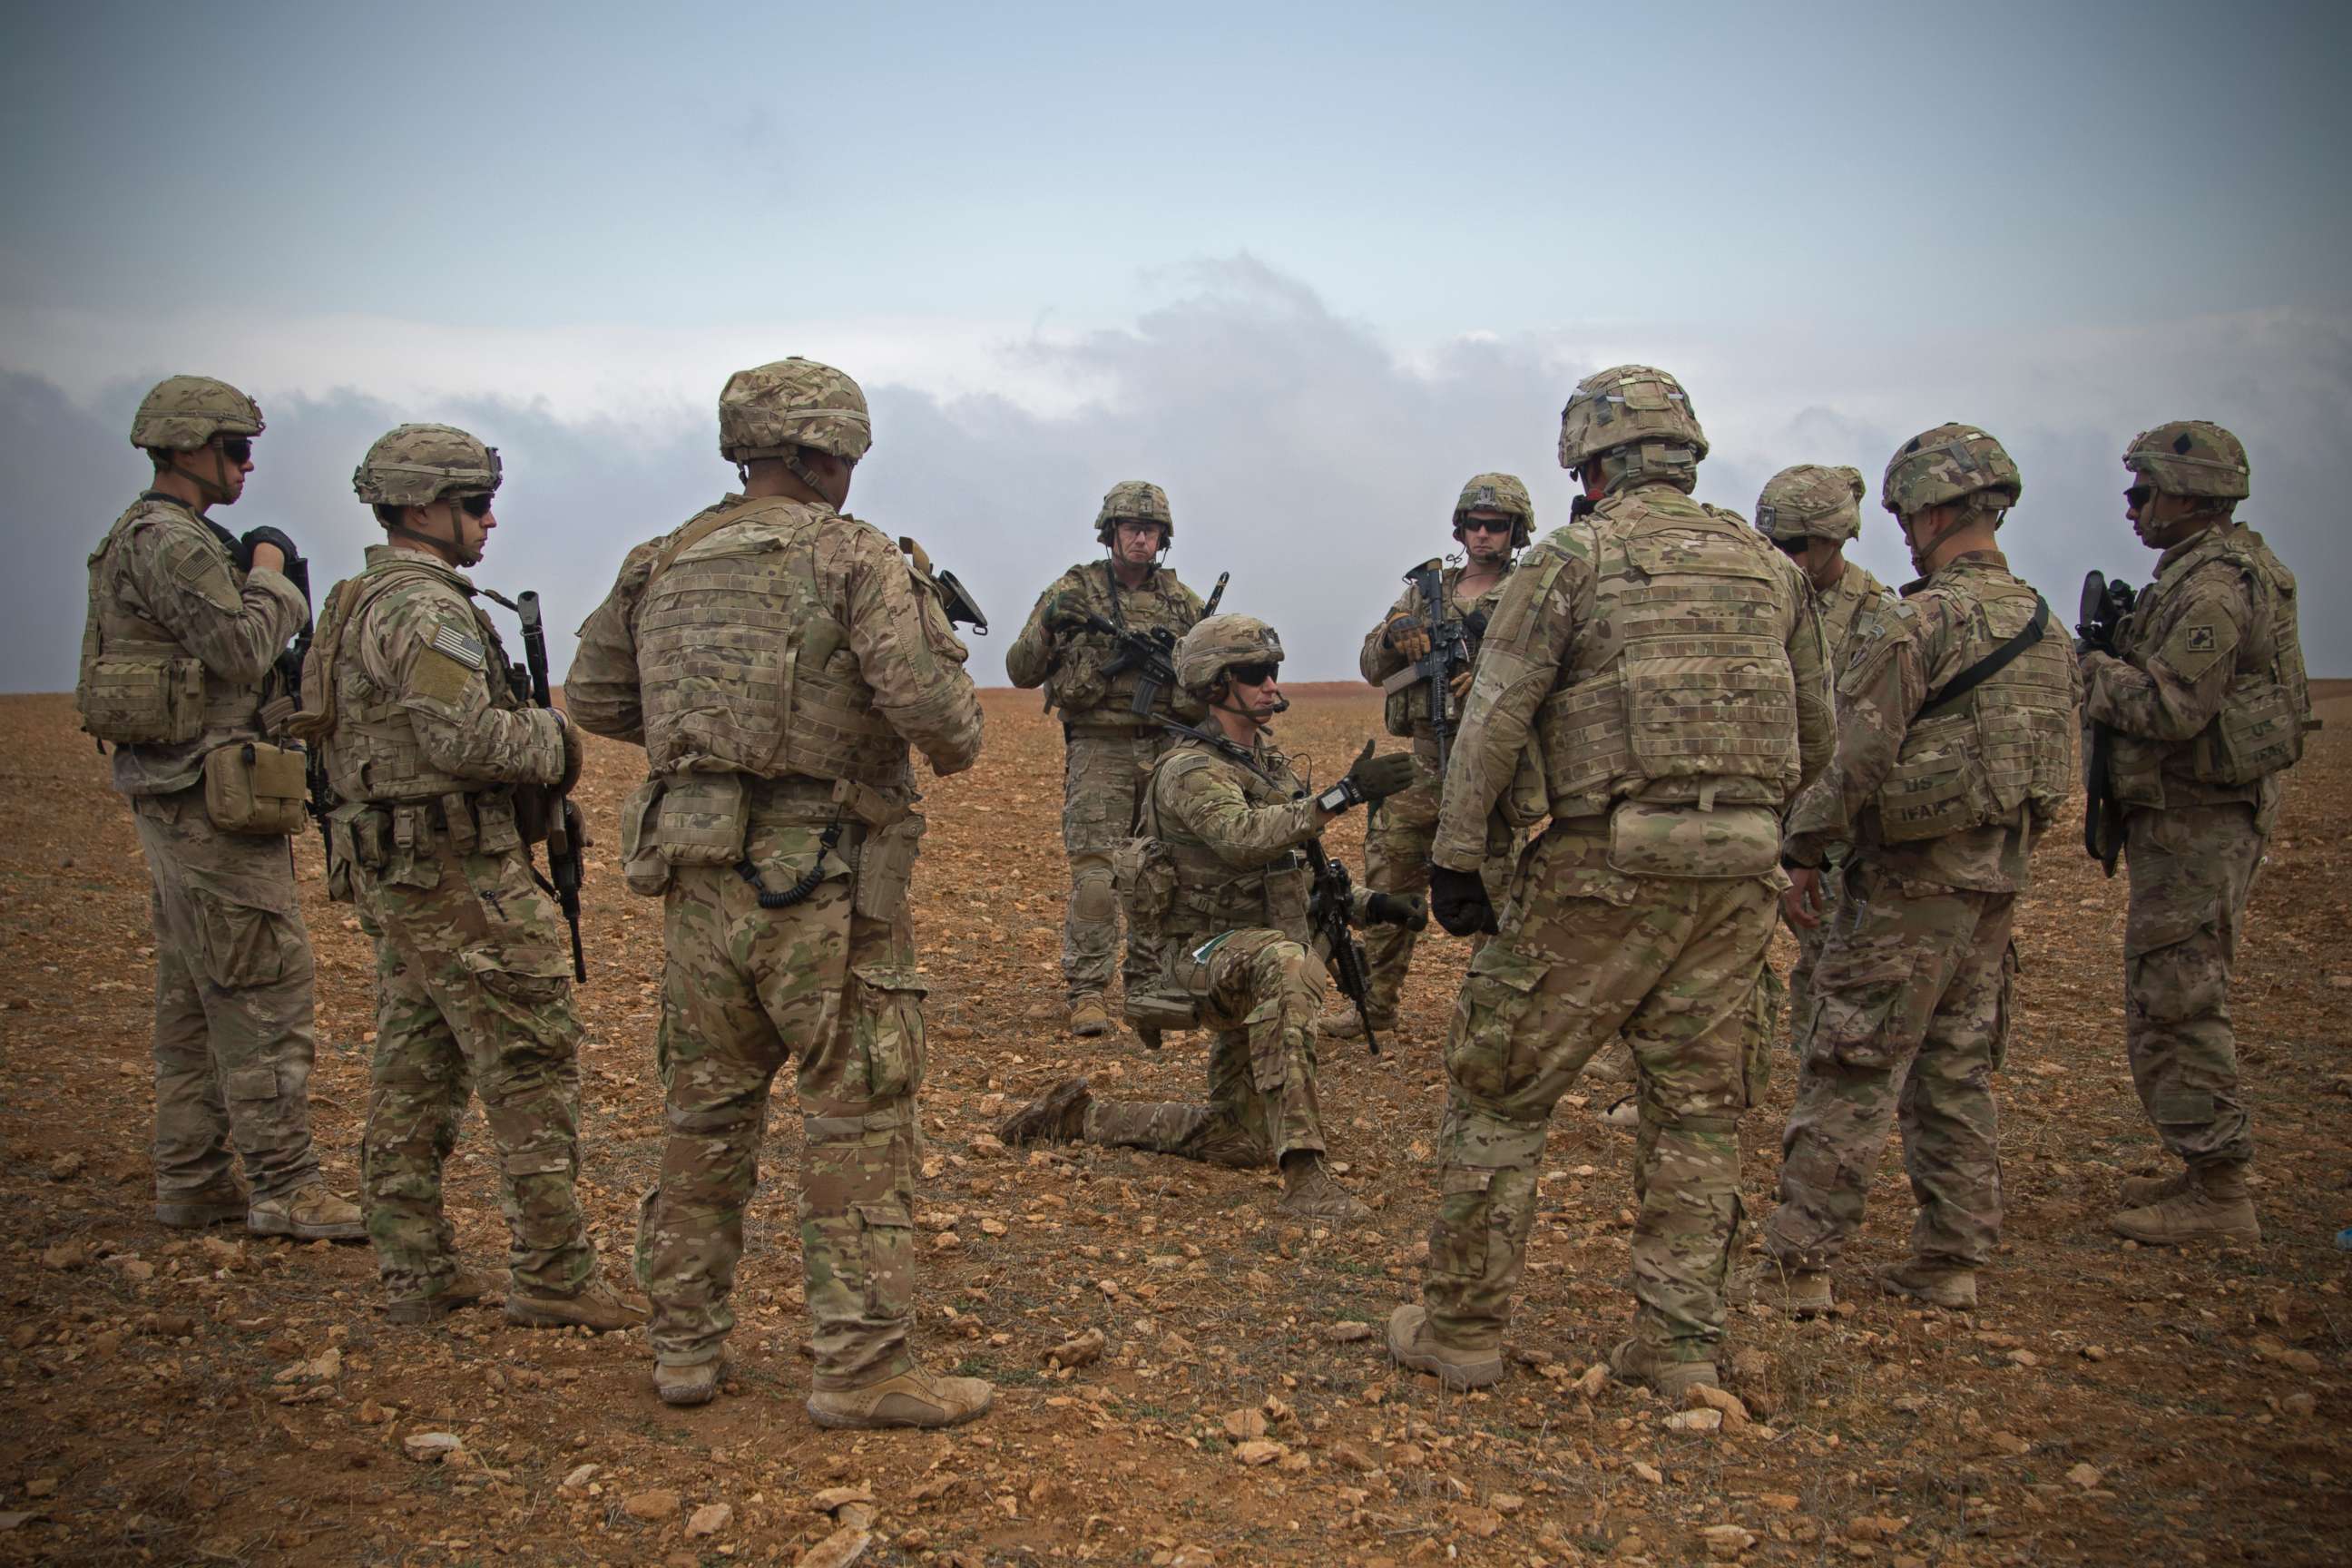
column 1397, row 709
column 142, row 700
column 700, row 819
column 643, row 867
column 1690, row 841
column 886, row 857
column 2258, row 732
column 253, row 787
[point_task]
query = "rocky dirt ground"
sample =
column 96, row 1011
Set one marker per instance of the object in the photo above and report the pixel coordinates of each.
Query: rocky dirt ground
column 176, row 1398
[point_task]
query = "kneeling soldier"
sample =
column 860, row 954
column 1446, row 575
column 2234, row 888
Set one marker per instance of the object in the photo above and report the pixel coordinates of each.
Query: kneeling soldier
column 1222, row 884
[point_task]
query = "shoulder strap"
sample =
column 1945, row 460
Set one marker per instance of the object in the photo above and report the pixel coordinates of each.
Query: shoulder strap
column 699, row 529
column 345, row 605
column 1949, row 694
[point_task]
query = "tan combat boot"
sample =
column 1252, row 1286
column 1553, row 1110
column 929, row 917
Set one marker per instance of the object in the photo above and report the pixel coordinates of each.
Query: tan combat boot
column 465, row 1288
column 911, row 1399
column 1057, row 1116
column 2137, row 1192
column 1309, row 1192
column 1089, row 1017
column 204, row 1206
column 1944, row 1285
column 1634, row 1361
column 1612, row 1063
column 1799, row 1293
column 2216, row 1207
column 1344, row 1022
column 598, row 1308
column 683, row 1385
column 1413, row 1343
column 308, row 1213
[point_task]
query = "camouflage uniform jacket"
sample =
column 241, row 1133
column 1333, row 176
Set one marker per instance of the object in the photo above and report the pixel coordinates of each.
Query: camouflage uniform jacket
column 1944, row 624
column 426, row 703
column 1069, row 664
column 1377, row 661
column 1852, row 608
column 1561, row 623
column 163, row 575
column 890, row 656
column 2218, row 623
column 1233, row 831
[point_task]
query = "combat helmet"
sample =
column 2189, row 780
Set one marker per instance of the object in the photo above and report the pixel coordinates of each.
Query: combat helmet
column 416, row 465
column 1502, row 493
column 1139, row 501
column 1946, row 464
column 771, row 410
column 1639, row 419
column 1215, row 645
column 1811, row 501
column 181, row 412
column 2192, row 457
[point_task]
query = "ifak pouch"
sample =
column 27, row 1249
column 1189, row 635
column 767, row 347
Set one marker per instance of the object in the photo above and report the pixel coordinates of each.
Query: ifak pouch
column 253, row 787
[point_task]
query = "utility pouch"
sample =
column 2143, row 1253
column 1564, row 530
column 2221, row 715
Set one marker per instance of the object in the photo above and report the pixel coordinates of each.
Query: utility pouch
column 1397, row 710
column 1146, row 879
column 699, row 819
column 143, row 699
column 886, row 867
column 252, row 786
column 1729, row 841
column 2258, row 732
column 643, row 867
column 1930, row 792
column 355, row 843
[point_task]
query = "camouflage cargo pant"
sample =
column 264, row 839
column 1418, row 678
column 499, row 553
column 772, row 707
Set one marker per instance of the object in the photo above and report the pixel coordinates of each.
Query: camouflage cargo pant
column 745, row 989
column 2193, row 868
column 1584, row 953
column 473, row 996
column 1100, row 775
column 1910, row 1020
column 1261, row 990
column 1398, row 833
column 233, row 1005
column 1809, row 942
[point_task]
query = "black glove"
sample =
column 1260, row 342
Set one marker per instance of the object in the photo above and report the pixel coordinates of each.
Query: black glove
column 264, row 534
column 1377, row 778
column 1397, row 909
column 1459, row 900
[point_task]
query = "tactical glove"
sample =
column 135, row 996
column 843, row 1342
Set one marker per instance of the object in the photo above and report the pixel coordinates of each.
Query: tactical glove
column 265, row 534
column 1459, row 900
column 1397, row 909
column 1405, row 633
column 1371, row 779
column 1065, row 613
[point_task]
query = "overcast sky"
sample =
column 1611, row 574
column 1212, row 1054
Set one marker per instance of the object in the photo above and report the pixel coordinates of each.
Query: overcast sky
column 1307, row 267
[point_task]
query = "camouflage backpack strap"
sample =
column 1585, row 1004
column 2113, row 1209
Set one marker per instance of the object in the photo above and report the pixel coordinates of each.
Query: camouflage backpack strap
column 1949, row 695
column 346, row 604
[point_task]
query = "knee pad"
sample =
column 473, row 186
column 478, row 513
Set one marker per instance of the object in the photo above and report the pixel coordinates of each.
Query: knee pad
column 1095, row 898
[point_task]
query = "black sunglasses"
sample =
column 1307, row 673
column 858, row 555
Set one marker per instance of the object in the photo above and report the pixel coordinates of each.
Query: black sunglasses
column 1252, row 674
column 2138, row 495
column 237, row 448
column 1793, row 548
column 476, row 506
column 1486, row 525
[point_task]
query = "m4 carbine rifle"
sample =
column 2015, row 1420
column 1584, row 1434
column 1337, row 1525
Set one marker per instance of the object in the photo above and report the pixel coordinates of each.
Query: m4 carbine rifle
column 1328, row 910
column 2104, row 607
column 1151, row 654
column 566, row 866
column 1449, row 655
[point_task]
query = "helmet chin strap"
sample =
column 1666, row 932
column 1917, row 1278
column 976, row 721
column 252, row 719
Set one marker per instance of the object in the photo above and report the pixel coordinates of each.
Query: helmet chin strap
column 453, row 547
column 214, row 490
column 802, row 472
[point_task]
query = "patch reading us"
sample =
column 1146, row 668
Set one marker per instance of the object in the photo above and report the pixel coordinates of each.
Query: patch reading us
column 459, row 647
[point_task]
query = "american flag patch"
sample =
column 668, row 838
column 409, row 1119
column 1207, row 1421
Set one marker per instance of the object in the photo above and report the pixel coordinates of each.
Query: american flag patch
column 459, row 647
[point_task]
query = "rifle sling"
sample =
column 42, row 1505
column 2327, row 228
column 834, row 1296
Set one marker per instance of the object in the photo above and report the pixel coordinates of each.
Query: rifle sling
column 1947, row 696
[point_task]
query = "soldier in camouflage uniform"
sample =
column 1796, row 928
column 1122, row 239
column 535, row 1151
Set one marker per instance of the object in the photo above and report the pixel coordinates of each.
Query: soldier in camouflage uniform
column 445, row 777
column 2206, row 700
column 1645, row 906
column 775, row 657
column 1955, row 730
column 1810, row 512
column 1493, row 519
column 1108, row 746
column 181, row 641
column 1221, row 883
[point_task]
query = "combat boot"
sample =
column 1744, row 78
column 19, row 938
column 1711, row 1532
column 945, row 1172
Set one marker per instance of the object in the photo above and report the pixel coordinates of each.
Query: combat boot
column 1413, row 1344
column 1345, row 1023
column 910, row 1398
column 598, row 1308
column 1799, row 1293
column 1612, row 1063
column 2138, row 1191
column 694, row 1384
column 1309, row 1192
column 1089, row 1017
column 217, row 1204
column 1057, row 1116
column 1634, row 1361
column 465, row 1288
column 1944, row 1285
column 2217, row 1206
column 308, row 1213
